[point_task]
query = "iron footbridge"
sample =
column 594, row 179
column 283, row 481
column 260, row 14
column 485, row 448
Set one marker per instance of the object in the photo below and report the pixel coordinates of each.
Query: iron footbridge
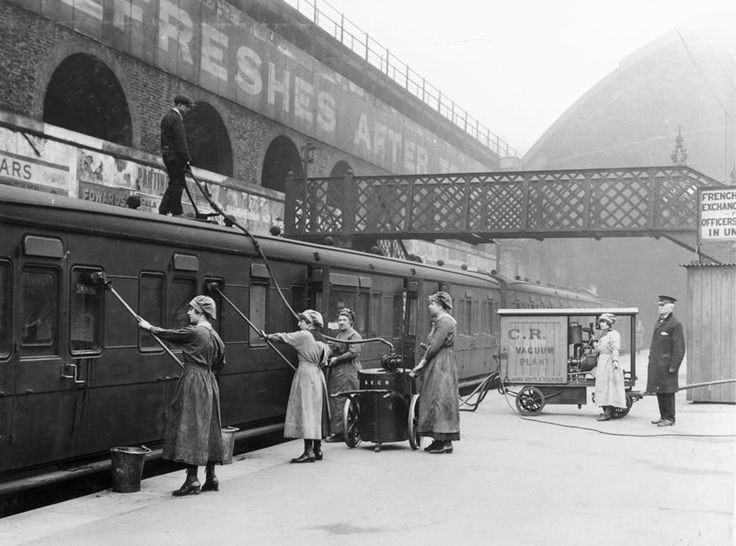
column 358, row 211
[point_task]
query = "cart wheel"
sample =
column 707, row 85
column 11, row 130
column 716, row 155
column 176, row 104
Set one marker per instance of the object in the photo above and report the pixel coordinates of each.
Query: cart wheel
column 415, row 441
column 618, row 413
column 350, row 414
column 530, row 401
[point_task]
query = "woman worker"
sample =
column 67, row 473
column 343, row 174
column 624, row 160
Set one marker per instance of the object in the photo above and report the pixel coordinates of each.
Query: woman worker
column 307, row 413
column 192, row 420
column 439, row 411
column 343, row 369
column 610, row 392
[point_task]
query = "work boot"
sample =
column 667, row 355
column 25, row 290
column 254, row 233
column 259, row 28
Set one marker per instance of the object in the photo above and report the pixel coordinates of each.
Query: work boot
column 191, row 484
column 606, row 415
column 211, row 483
column 307, row 456
column 443, row 447
column 436, row 444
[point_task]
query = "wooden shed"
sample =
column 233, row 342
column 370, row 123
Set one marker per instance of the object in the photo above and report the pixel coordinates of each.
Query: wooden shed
column 711, row 331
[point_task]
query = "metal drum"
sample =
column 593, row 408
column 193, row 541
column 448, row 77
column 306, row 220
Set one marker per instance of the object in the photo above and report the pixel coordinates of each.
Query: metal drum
column 383, row 415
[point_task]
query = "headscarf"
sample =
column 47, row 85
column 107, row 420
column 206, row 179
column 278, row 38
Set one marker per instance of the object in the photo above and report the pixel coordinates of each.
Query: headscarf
column 443, row 298
column 313, row 317
column 348, row 313
column 205, row 305
column 610, row 318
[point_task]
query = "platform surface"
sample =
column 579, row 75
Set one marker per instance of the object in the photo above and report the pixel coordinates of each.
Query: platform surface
column 546, row 480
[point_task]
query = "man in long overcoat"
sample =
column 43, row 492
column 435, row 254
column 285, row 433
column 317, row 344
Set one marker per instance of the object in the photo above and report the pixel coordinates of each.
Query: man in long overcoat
column 665, row 356
column 175, row 153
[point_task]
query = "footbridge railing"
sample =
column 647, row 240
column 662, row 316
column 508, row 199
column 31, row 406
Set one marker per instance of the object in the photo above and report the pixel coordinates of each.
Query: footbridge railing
column 480, row 207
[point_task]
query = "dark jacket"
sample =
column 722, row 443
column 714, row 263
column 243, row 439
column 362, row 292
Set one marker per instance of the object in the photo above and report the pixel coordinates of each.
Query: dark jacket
column 173, row 137
column 665, row 356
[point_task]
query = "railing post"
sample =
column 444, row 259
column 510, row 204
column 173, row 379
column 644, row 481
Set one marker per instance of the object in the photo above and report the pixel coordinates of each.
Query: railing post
column 290, row 227
column 348, row 208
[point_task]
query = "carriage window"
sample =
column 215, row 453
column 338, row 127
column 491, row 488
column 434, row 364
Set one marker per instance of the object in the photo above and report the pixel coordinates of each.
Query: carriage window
column 387, row 316
column 257, row 312
column 375, row 315
column 298, row 297
column 182, row 292
column 475, row 328
column 467, row 316
column 5, row 309
column 151, row 305
column 220, row 309
column 39, row 297
column 86, row 313
column 361, row 314
column 339, row 299
column 411, row 315
column 398, row 318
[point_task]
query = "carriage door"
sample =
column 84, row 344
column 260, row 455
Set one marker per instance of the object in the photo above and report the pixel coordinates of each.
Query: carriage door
column 6, row 354
column 409, row 331
column 46, row 400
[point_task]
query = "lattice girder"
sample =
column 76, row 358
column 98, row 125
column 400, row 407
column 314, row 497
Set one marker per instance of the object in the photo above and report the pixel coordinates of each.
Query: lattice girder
column 637, row 201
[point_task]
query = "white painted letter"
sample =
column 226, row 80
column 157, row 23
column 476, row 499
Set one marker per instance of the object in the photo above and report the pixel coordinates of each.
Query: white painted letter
column 249, row 78
column 175, row 24
column 275, row 86
column 326, row 111
column 362, row 133
column 214, row 43
column 303, row 91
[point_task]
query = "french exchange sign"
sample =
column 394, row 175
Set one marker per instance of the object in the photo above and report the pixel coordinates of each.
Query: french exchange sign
column 717, row 214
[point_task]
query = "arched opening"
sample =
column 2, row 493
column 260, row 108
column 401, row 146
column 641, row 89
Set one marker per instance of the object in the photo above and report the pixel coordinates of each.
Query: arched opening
column 282, row 156
column 84, row 95
column 338, row 171
column 208, row 141
column 340, row 168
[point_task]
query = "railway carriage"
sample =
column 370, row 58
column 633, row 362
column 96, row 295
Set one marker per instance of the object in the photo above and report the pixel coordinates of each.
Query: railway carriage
column 78, row 377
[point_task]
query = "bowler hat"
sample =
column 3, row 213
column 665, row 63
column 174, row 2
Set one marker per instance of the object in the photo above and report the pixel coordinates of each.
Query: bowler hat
column 183, row 99
column 666, row 299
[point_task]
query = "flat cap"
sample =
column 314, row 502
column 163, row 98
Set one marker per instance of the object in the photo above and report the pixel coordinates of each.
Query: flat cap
column 666, row 299
column 183, row 99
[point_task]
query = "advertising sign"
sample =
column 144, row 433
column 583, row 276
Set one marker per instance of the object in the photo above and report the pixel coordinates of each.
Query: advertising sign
column 216, row 46
column 534, row 349
column 717, row 214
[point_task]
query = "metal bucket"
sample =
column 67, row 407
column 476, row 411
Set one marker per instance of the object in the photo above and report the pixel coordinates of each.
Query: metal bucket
column 383, row 416
column 127, row 468
column 228, row 444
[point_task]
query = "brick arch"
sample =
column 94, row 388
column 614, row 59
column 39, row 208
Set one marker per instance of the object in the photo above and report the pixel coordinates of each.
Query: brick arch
column 83, row 94
column 208, row 139
column 282, row 157
column 340, row 168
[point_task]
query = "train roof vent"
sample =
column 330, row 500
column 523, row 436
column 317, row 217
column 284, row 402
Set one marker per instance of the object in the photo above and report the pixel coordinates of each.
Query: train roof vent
column 259, row 271
column 185, row 262
column 340, row 279
column 47, row 247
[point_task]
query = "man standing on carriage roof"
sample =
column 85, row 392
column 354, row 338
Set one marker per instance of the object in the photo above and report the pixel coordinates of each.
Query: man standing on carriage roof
column 175, row 153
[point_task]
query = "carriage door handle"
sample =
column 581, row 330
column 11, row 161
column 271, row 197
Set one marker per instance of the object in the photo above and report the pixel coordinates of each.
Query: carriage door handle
column 74, row 377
